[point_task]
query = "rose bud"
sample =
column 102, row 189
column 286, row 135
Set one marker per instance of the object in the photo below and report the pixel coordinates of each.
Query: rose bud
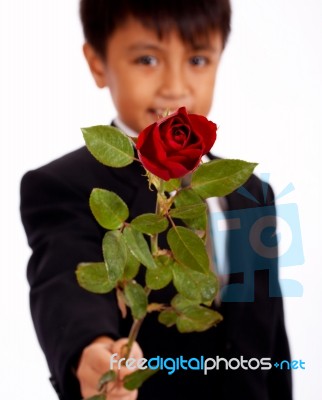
column 174, row 145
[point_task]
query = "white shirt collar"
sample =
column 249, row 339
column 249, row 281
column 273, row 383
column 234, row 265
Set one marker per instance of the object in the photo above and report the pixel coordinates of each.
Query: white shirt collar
column 124, row 128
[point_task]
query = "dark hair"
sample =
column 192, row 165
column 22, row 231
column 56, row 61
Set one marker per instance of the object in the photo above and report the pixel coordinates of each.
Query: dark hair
column 192, row 18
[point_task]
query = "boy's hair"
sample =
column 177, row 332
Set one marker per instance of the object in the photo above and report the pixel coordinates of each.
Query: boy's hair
column 192, row 18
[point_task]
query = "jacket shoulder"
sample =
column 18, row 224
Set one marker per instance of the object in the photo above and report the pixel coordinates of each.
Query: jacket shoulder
column 76, row 167
column 254, row 193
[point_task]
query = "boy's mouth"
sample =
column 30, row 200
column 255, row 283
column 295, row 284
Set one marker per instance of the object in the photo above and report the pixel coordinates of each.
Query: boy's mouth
column 160, row 112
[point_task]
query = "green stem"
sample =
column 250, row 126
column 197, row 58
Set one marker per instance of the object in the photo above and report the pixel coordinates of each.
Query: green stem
column 154, row 248
column 155, row 238
column 133, row 335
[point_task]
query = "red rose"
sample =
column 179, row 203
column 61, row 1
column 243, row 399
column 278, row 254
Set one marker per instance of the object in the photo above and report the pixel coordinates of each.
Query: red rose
column 173, row 146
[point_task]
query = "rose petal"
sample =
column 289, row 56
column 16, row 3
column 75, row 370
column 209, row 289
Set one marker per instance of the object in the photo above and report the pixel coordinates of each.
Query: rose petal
column 177, row 138
column 176, row 170
column 151, row 144
column 143, row 135
column 205, row 128
column 188, row 155
column 157, row 169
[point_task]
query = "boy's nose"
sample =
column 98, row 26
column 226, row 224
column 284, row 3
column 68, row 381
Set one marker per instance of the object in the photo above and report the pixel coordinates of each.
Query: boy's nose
column 174, row 85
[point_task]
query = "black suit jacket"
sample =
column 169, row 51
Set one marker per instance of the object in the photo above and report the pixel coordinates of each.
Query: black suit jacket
column 62, row 232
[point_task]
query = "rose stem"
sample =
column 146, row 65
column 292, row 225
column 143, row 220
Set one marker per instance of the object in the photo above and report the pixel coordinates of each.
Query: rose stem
column 154, row 248
column 133, row 335
column 154, row 238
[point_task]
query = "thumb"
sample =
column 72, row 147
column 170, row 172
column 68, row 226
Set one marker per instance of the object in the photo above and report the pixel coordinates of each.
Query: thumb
column 119, row 347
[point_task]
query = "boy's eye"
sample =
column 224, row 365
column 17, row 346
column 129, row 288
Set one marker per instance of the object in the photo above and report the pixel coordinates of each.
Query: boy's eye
column 147, row 60
column 199, row 61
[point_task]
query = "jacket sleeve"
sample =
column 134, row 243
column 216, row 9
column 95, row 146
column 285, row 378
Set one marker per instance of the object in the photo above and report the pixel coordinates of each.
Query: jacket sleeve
column 61, row 233
column 279, row 381
column 259, row 308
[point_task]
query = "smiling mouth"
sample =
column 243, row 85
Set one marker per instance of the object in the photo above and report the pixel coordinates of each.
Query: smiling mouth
column 163, row 112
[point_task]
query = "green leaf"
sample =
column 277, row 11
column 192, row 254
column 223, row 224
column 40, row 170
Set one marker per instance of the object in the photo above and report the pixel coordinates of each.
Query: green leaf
column 132, row 266
column 136, row 379
column 109, row 376
column 188, row 249
column 188, row 211
column 167, row 318
column 161, row 276
column 109, row 145
column 136, row 299
column 189, row 197
column 115, row 254
column 171, row 185
column 197, row 319
column 179, row 302
column 108, row 208
column 97, row 397
column 195, row 285
column 221, row 177
column 150, row 223
column 94, row 277
column 138, row 246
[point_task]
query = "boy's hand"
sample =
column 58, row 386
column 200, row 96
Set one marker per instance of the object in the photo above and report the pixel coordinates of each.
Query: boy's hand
column 95, row 361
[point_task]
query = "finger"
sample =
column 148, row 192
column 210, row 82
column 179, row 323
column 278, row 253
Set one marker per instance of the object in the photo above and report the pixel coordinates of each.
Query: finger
column 119, row 347
column 116, row 392
column 97, row 356
column 130, row 396
column 117, row 387
column 88, row 380
column 126, row 370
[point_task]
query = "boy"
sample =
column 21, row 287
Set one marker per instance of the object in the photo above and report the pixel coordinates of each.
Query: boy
column 153, row 56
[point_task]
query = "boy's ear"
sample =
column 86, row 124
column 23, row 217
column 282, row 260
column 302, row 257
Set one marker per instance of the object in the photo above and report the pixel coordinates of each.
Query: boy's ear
column 96, row 65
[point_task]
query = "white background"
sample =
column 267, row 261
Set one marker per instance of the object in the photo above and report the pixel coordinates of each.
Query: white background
column 268, row 104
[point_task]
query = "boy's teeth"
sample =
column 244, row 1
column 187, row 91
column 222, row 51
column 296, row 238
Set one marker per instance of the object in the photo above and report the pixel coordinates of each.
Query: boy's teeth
column 162, row 111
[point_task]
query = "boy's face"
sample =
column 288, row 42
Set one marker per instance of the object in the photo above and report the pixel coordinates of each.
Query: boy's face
column 147, row 76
